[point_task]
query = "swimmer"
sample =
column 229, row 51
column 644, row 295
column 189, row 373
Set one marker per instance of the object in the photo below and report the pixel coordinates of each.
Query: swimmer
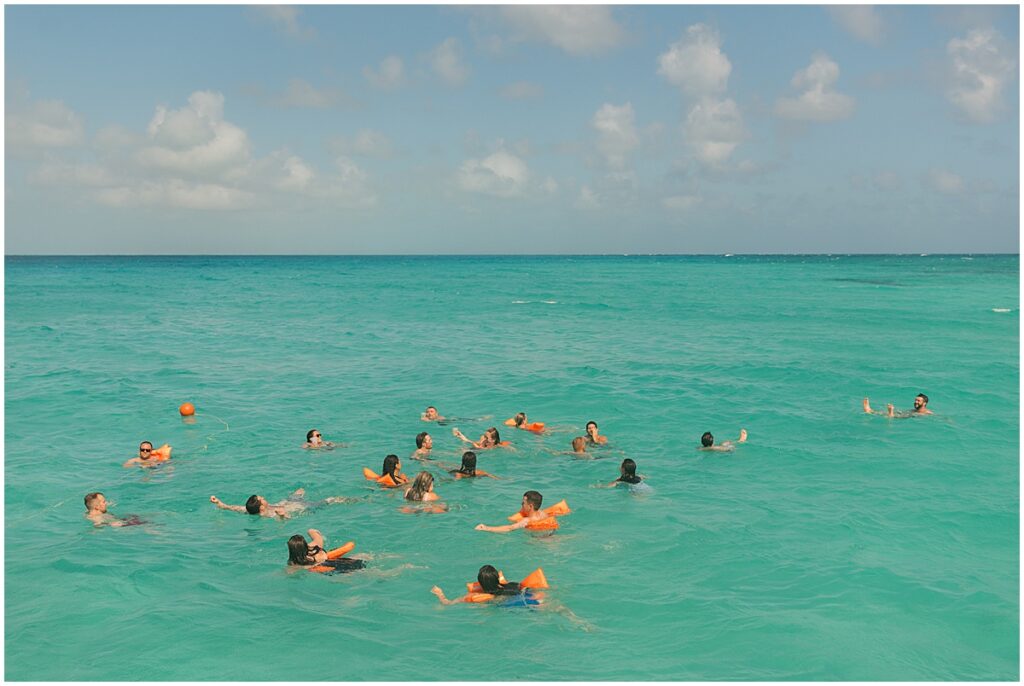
column 627, row 474
column 707, row 442
column 468, row 468
column 530, row 511
column 593, row 435
column 579, row 445
column 488, row 439
column 314, row 441
column 492, row 582
column 520, row 422
column 393, row 467
column 430, row 415
column 96, row 512
column 145, row 457
column 920, row 408
column 422, row 489
column 292, row 505
column 424, row 444
column 313, row 556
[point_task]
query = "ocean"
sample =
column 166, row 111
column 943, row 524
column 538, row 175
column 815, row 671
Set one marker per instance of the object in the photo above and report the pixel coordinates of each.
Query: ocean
column 832, row 545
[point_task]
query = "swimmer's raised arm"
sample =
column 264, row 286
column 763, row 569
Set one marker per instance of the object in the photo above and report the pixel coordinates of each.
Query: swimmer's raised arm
column 299, row 493
column 521, row 524
column 223, row 506
column 315, row 538
column 436, row 590
column 743, row 436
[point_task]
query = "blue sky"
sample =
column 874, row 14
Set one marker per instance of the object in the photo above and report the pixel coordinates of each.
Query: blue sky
column 511, row 129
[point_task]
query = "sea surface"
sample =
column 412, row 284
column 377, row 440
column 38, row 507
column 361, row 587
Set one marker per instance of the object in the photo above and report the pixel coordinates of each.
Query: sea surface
column 832, row 545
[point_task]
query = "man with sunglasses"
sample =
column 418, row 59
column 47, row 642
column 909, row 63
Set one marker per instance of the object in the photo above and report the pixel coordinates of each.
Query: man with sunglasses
column 146, row 457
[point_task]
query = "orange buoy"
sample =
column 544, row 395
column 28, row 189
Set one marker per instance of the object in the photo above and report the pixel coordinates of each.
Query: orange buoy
column 187, row 409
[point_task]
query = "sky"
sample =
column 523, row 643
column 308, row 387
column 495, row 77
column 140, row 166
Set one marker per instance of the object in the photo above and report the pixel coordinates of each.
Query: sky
column 521, row 129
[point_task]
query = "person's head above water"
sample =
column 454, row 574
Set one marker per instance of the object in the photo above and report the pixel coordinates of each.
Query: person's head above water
column 145, row 450
column 628, row 472
column 579, row 444
column 468, row 463
column 424, row 441
column 421, row 485
column 707, row 440
column 921, row 401
column 520, row 418
column 313, row 436
column 391, row 465
column 532, row 500
column 490, row 438
column 95, row 502
column 430, row 412
column 298, row 550
column 255, row 504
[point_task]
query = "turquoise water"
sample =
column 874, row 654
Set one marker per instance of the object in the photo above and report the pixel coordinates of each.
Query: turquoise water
column 833, row 545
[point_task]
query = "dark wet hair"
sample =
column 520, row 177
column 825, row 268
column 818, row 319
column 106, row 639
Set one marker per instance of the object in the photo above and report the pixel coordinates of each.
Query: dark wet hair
column 488, row 578
column 431, row 407
column 90, row 498
column 534, row 498
column 420, row 486
column 252, row 505
column 390, row 465
column 420, row 437
column 923, row 397
column 468, row 466
column 707, row 440
column 520, row 418
column 298, row 550
column 309, row 434
column 149, row 443
column 494, row 435
column 589, row 423
column 629, row 472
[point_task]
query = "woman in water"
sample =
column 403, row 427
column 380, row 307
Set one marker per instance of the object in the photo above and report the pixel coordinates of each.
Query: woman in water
column 468, row 468
column 628, row 476
column 422, row 488
column 314, row 441
column 490, row 582
column 313, row 556
column 489, row 439
column 393, row 468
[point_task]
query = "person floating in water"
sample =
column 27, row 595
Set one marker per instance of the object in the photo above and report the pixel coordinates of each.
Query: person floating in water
column 520, row 422
column 579, row 445
column 920, row 408
column 424, row 444
column 96, row 512
column 314, row 558
column 468, row 470
column 148, row 457
column 488, row 439
column 293, row 505
column 707, row 442
column 593, row 435
column 391, row 475
column 627, row 474
column 315, row 441
column 530, row 515
column 430, row 415
column 492, row 585
column 422, row 491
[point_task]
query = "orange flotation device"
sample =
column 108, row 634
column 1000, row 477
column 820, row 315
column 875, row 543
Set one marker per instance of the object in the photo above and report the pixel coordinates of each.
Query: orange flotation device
column 505, row 444
column 534, row 579
column 162, row 453
column 535, row 427
column 334, row 555
column 557, row 510
column 187, row 409
column 386, row 481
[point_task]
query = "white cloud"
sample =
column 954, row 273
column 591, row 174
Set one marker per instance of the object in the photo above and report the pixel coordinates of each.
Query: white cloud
column 286, row 18
column 59, row 172
column 43, row 124
column 980, row 64
column 446, row 61
column 714, row 128
column 195, row 140
column 116, row 137
column 587, row 199
column 302, row 94
column 366, row 143
column 695, row 63
column 576, row 29
column 862, row 21
column 176, row 193
column 501, row 173
column 945, row 182
column 388, row 75
column 297, row 175
column 616, row 133
column 681, row 203
column 521, row 90
column 818, row 102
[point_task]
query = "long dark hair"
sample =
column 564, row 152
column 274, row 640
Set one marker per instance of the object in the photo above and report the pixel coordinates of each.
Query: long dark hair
column 468, row 466
column 629, row 472
column 488, row 577
column 298, row 550
column 390, row 465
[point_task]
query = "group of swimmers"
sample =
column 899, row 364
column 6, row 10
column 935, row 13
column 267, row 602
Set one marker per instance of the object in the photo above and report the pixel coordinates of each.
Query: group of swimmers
column 490, row 584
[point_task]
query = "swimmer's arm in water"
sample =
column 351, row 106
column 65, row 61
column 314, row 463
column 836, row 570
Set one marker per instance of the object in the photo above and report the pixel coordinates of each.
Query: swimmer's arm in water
column 436, row 590
column 461, row 436
column 521, row 524
column 743, row 436
column 890, row 411
column 481, row 472
column 223, row 506
column 511, row 421
column 299, row 494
